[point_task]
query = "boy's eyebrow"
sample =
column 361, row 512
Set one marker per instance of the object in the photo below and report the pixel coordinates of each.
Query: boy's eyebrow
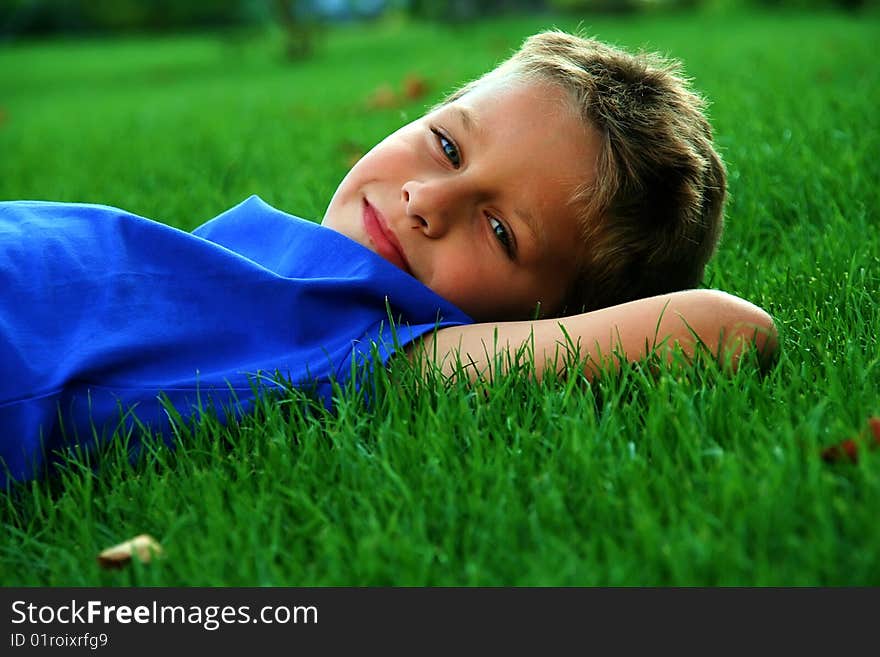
column 534, row 226
column 467, row 118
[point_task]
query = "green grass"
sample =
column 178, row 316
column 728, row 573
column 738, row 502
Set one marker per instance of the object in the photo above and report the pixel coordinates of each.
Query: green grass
column 687, row 477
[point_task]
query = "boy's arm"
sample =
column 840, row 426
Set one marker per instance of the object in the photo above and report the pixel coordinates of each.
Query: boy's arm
column 725, row 324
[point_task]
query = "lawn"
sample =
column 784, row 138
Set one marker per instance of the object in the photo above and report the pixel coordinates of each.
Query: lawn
column 688, row 476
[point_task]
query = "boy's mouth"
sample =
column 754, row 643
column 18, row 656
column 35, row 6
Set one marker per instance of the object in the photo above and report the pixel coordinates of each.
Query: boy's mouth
column 382, row 238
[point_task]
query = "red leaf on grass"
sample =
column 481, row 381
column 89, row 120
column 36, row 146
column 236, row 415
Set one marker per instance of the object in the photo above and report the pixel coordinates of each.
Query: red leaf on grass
column 849, row 449
column 846, row 449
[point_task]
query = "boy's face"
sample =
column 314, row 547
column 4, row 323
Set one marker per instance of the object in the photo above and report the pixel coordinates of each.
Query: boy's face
column 474, row 199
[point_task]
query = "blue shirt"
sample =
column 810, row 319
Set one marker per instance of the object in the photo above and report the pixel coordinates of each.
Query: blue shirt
column 103, row 313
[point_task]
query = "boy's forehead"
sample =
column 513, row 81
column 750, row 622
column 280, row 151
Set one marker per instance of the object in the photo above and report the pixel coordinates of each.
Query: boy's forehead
column 535, row 128
column 517, row 100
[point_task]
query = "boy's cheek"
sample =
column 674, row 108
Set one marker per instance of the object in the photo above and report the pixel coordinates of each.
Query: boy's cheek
column 393, row 159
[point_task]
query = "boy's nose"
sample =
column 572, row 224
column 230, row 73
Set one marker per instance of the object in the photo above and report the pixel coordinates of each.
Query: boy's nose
column 430, row 207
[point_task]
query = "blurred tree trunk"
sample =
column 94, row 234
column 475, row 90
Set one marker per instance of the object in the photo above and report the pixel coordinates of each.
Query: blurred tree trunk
column 299, row 29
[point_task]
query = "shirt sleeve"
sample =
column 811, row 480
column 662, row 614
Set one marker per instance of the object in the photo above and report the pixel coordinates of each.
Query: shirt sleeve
column 109, row 320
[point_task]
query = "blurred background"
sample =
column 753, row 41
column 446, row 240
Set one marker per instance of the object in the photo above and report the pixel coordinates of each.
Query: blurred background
column 178, row 109
column 301, row 19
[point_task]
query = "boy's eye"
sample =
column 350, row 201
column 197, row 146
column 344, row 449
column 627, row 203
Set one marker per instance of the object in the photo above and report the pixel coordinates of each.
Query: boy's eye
column 503, row 236
column 450, row 150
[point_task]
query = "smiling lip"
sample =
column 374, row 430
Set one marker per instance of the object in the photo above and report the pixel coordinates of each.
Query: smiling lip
column 384, row 240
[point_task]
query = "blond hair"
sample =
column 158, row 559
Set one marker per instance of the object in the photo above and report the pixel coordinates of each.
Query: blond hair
column 652, row 217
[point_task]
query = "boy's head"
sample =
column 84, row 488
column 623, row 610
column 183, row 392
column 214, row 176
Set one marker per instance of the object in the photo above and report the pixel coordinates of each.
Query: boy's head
column 574, row 176
column 653, row 214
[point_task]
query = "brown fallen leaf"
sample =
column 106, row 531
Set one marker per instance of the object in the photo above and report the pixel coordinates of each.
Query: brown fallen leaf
column 383, row 97
column 144, row 547
column 351, row 152
column 414, row 86
column 849, row 449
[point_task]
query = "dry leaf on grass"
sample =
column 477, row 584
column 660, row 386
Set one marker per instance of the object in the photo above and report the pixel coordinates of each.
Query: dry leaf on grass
column 383, row 97
column 414, row 87
column 351, row 152
column 144, row 547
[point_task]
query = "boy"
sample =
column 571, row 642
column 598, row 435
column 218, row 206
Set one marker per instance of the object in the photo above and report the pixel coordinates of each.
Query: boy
column 571, row 178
